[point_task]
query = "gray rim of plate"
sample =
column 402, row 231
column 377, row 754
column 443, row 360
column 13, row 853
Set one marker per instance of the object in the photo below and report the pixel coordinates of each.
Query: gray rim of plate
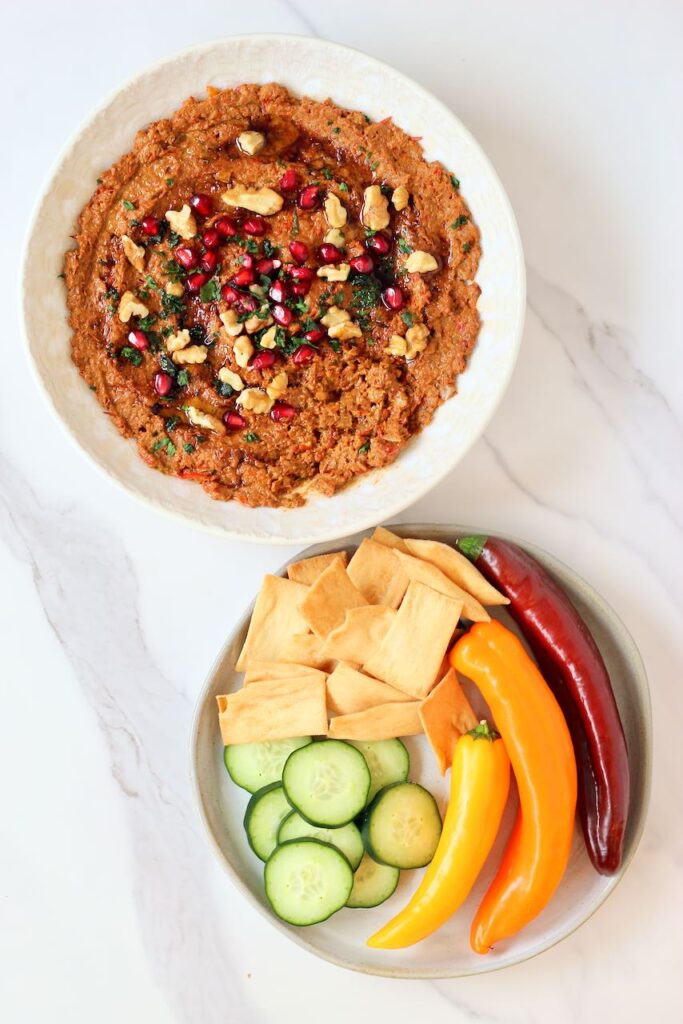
column 640, row 794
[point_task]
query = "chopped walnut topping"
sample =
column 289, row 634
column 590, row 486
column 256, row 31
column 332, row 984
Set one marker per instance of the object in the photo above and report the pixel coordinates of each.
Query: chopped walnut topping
column 199, row 418
column 130, row 306
column 375, row 212
column 416, row 337
column 277, row 386
column 268, row 339
column 229, row 320
column 420, row 262
column 243, row 350
column 397, row 346
column 228, row 376
column 251, row 143
column 400, row 197
column 135, row 254
column 340, row 272
column 193, row 354
column 345, row 331
column 335, row 237
column 335, row 211
column 177, row 341
column 174, row 288
column 334, row 315
column 259, row 200
column 255, row 401
column 182, row 222
column 255, row 323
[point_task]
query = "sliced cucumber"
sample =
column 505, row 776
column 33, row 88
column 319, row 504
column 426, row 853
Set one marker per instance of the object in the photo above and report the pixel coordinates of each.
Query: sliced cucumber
column 327, row 782
column 307, row 881
column 402, row 826
column 347, row 838
column 265, row 813
column 373, row 883
column 388, row 761
column 254, row 765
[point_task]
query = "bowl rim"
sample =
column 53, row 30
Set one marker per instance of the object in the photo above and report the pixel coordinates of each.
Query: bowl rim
column 423, row 973
column 192, row 519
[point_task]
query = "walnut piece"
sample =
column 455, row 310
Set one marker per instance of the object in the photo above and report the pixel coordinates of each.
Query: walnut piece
column 375, row 212
column 335, row 237
column 228, row 376
column 334, row 315
column 255, row 323
column 397, row 346
column 277, row 386
column 130, row 306
column 400, row 197
column 345, row 331
column 243, row 350
column 175, row 342
column 199, row 418
column 192, row 354
column 416, row 338
column 135, row 254
column 268, row 339
column 174, row 288
column 229, row 320
column 340, row 272
column 259, row 200
column 182, row 222
column 251, row 143
column 335, row 211
column 255, row 401
column 421, row 262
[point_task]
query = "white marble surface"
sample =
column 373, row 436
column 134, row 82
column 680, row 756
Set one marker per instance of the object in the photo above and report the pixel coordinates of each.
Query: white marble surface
column 112, row 907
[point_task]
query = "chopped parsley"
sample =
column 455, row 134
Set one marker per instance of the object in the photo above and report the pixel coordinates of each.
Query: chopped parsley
column 455, row 182
column 113, row 296
column 189, row 448
column 407, row 318
column 210, row 291
column 131, row 354
column 404, row 246
column 366, row 293
column 334, row 344
column 327, row 173
column 251, row 437
column 460, row 222
column 173, row 239
column 172, row 304
column 167, row 364
column 336, row 130
column 343, row 187
column 146, row 323
column 165, row 443
column 174, row 271
column 98, row 180
column 295, row 224
column 374, row 165
column 364, row 448
column 251, row 246
column 466, row 247
column 151, row 283
column 268, row 248
column 182, row 379
column 223, row 389
column 128, row 205
column 171, row 422
column 170, row 182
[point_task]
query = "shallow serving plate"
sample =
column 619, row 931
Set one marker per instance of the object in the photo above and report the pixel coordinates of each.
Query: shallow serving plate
column 445, row 954
column 311, row 67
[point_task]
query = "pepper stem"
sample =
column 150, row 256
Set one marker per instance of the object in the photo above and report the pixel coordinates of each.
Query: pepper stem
column 472, row 546
column 483, row 731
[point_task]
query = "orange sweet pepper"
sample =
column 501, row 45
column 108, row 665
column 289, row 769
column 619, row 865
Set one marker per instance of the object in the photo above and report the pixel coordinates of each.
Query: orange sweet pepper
column 537, row 740
column 480, row 780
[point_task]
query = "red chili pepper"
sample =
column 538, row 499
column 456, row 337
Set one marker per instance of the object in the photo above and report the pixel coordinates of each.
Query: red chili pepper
column 575, row 671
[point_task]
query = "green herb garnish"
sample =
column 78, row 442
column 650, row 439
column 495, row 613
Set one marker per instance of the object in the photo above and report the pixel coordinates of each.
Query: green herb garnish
column 251, row 437
column 182, row 379
column 189, row 448
column 131, row 354
column 210, row 291
column 223, row 389
column 466, row 247
column 455, row 182
column 404, row 246
column 171, row 422
column 407, row 318
column 170, row 182
column 364, row 448
column 165, row 443
column 460, row 222
column 128, row 205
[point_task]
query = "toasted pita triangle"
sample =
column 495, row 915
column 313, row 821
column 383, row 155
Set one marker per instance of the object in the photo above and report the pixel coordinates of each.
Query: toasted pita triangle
column 432, row 577
column 275, row 618
column 274, row 711
column 378, row 574
column 267, row 671
column 349, row 691
column 362, row 630
column 446, row 715
column 458, row 568
column 384, row 722
column 308, row 569
column 328, row 599
column 389, row 539
column 308, row 649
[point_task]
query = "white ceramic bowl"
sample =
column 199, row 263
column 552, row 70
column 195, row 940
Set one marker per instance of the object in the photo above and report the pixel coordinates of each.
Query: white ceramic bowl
column 310, row 67
column 445, row 954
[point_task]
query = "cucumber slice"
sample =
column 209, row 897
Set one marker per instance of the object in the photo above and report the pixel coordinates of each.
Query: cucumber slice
column 254, row 765
column 307, row 881
column 388, row 761
column 402, row 826
column 373, row 883
column 347, row 839
column 265, row 813
column 327, row 782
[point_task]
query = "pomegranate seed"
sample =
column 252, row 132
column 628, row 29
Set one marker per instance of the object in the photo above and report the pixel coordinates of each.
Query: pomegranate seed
column 254, row 226
column 247, row 261
column 186, row 257
column 278, row 292
column 267, row 266
column 302, row 274
column 202, row 204
column 392, row 297
column 282, row 412
column 211, row 238
column 229, row 294
column 362, row 264
column 138, row 340
column 247, row 304
column 282, row 315
column 289, row 180
column 263, row 360
column 150, row 226
column 315, row 335
column 304, row 354
column 299, row 251
column 244, row 277
column 234, row 421
column 329, row 253
column 195, row 281
column 379, row 244
column 209, row 262
column 225, row 227
column 163, row 383
column 309, row 197
column 300, row 288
